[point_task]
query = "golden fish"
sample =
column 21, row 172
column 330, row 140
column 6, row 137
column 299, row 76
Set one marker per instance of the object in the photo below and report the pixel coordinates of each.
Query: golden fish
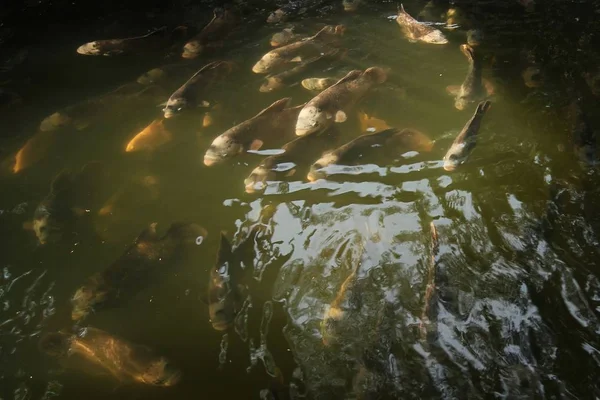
column 33, row 150
column 150, row 138
column 371, row 124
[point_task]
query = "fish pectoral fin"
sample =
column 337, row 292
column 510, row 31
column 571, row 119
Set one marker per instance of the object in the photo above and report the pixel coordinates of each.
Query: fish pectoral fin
column 204, row 103
column 453, row 90
column 256, row 144
column 340, row 116
column 296, row 59
column 291, row 172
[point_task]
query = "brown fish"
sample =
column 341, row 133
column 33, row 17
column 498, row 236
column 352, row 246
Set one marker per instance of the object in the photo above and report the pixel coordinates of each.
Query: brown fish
column 333, row 104
column 135, row 268
column 150, row 138
column 190, row 94
column 126, row 361
column 418, row 31
column 275, row 122
column 221, row 25
column 317, row 84
column 474, row 88
column 284, row 37
column 112, row 47
column 299, row 51
column 283, row 165
column 465, row 142
column 366, row 146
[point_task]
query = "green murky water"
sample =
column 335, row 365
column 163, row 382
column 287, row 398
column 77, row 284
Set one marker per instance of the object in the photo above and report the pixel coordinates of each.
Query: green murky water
column 515, row 309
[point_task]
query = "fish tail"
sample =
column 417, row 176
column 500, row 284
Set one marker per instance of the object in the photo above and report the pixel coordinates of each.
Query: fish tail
column 376, row 74
column 401, row 8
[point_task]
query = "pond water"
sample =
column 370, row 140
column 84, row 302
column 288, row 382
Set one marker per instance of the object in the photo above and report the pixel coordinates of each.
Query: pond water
column 505, row 306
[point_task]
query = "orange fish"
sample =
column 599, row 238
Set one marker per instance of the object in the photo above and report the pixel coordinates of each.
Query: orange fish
column 371, row 124
column 149, row 139
column 33, row 150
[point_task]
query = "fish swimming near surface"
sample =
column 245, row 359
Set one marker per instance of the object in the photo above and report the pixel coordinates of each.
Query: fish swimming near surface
column 34, row 150
column 150, row 138
column 157, row 39
column 474, row 88
column 333, row 104
column 418, row 31
column 279, row 166
column 317, row 84
column 379, row 144
column 286, row 36
column 135, row 268
column 126, row 361
column 466, row 140
column 351, row 5
column 299, row 51
column 191, row 93
column 212, row 35
column 275, row 122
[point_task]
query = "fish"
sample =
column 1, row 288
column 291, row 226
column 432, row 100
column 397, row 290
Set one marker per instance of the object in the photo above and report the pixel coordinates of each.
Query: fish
column 34, row 150
column 135, row 268
column 286, row 36
column 272, row 123
column 128, row 362
column 379, row 143
column 333, row 104
column 532, row 76
column 371, row 124
column 162, row 74
column 284, row 165
column 190, row 93
column 430, row 286
column 582, row 135
column 317, row 84
column 221, row 25
column 432, row 11
column 473, row 89
column 418, row 31
column 455, row 17
column 474, row 37
column 55, row 215
column 224, row 295
column 150, row 138
column 293, row 8
column 154, row 40
column 351, row 5
column 465, row 142
column 299, row 51
column 289, row 77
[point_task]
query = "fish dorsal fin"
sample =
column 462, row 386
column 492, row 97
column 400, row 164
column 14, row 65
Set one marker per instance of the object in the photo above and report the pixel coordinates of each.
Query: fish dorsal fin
column 148, row 234
column 208, row 66
column 401, row 9
column 225, row 251
column 276, row 107
column 162, row 29
column 350, row 76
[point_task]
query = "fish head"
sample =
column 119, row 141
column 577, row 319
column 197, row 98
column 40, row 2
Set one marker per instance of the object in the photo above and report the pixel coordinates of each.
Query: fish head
column 174, row 107
column 267, row 63
column 257, row 180
column 222, row 314
column 276, row 16
column 82, row 303
column 312, row 119
column 316, row 170
column 90, row 49
column 271, row 83
column 350, row 5
column 455, row 156
column 161, row 373
column 461, row 102
column 45, row 227
column 222, row 148
column 434, row 37
column 192, row 49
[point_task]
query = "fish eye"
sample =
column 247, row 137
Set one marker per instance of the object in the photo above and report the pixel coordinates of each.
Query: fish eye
column 453, row 157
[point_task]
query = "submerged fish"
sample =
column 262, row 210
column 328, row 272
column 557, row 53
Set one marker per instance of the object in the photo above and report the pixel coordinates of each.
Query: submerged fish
column 418, row 31
column 224, row 295
column 582, row 135
column 317, row 84
column 465, row 142
column 221, row 25
column 112, row 47
column 474, row 37
column 333, row 104
column 389, row 141
column 126, row 361
column 283, row 165
column 34, row 150
column 532, row 76
column 432, row 11
column 299, row 51
column 132, row 271
column 351, row 5
column 371, row 124
column 189, row 95
column 272, row 123
column 455, row 17
column 162, row 74
column 284, row 37
column 292, row 8
column 150, row 138
column 473, row 89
